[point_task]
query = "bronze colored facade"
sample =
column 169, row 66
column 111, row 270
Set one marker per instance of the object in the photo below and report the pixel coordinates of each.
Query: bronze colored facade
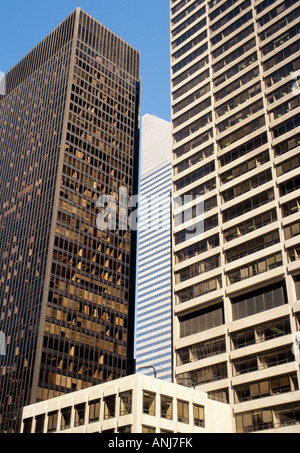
column 69, row 133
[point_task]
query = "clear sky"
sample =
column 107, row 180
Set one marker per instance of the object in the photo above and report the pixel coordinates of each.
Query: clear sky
column 142, row 23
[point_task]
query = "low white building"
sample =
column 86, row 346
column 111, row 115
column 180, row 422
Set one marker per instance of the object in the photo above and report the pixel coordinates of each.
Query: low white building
column 134, row 404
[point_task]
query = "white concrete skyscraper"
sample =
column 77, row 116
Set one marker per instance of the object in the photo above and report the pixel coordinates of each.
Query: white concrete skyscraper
column 236, row 136
column 153, row 341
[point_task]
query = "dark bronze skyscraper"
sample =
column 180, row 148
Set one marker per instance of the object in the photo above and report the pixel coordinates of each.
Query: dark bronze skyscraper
column 69, row 128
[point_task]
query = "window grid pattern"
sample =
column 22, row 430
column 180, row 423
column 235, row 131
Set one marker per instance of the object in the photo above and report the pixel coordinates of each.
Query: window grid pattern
column 247, row 136
column 77, row 151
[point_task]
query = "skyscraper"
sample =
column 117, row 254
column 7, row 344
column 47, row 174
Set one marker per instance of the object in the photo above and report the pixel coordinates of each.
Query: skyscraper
column 154, row 306
column 235, row 119
column 69, row 126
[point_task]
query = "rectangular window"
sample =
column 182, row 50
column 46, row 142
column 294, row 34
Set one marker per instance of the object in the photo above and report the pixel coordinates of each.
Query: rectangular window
column 166, row 404
column 183, row 411
column 268, row 387
column 198, row 290
column 109, row 407
column 39, row 424
column 27, row 426
column 94, row 412
column 198, row 268
column 125, row 429
column 237, row 135
column 229, row 16
column 52, row 421
column 126, row 403
column 148, row 430
column 219, row 395
column 79, row 414
column 201, row 320
column 201, row 350
column 258, row 301
column 65, row 418
column 149, row 403
column 202, row 375
column 198, row 415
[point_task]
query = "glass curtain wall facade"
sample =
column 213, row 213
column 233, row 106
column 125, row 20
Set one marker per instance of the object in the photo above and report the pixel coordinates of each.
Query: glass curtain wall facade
column 154, row 306
column 69, row 134
column 235, row 117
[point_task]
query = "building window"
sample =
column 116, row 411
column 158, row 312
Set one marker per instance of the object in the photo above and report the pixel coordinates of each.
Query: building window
column 293, row 254
column 183, row 411
column 192, row 144
column 39, row 423
column 275, row 417
column 248, row 205
column 245, row 167
column 79, row 414
column 221, row 395
column 288, row 165
column 292, row 230
column 287, row 145
column 255, row 268
column 258, row 301
column 94, row 413
column 198, row 415
column 297, row 286
column 200, row 376
column 125, row 429
column 260, row 333
column 27, row 425
column 52, row 421
column 291, row 207
column 199, row 228
column 254, row 125
column 262, row 361
column 289, row 186
column 252, row 246
column 149, row 403
column 126, row 403
column 201, row 320
column 199, row 351
column 166, row 407
column 197, row 269
column 247, row 185
column 197, row 249
column 109, row 407
column 250, row 225
column 148, row 430
column 198, row 290
column 268, row 387
column 65, row 418
column 195, row 176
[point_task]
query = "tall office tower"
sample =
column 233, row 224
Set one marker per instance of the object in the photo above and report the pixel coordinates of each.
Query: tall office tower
column 154, row 307
column 69, row 135
column 236, row 136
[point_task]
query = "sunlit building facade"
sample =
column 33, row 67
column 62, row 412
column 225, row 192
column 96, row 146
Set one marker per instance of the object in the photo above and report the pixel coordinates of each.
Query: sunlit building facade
column 133, row 404
column 236, row 137
column 69, row 134
column 154, row 295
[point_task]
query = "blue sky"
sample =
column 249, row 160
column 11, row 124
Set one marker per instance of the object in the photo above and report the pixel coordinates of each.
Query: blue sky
column 142, row 23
